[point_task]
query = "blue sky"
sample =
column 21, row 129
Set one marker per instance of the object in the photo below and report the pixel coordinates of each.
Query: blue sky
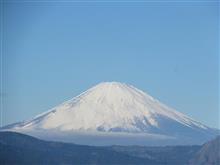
column 54, row 51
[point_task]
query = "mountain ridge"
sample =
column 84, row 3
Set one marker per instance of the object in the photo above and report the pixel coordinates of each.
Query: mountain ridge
column 113, row 107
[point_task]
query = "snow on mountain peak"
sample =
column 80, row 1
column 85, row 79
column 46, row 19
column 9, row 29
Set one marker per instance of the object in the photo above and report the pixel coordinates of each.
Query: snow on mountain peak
column 113, row 107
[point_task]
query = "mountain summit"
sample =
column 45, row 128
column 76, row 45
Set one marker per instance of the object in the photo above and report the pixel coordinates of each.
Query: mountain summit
column 114, row 107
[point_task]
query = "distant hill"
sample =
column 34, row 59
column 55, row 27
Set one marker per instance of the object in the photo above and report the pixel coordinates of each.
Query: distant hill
column 209, row 154
column 18, row 148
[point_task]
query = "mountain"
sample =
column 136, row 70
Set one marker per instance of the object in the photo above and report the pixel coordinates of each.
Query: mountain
column 18, row 148
column 209, row 154
column 112, row 111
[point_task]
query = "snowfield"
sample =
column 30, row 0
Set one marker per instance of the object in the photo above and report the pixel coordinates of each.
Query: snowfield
column 115, row 113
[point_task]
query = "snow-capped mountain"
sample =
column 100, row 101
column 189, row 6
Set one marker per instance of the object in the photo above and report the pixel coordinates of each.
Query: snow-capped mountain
column 114, row 108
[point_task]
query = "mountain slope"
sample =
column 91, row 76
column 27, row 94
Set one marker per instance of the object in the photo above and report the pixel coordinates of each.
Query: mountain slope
column 117, row 107
column 17, row 148
column 209, row 154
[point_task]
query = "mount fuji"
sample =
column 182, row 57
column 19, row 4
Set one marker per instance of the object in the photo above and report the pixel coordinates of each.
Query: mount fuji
column 113, row 113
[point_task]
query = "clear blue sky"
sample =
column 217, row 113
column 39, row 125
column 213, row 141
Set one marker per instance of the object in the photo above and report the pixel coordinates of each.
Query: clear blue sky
column 55, row 51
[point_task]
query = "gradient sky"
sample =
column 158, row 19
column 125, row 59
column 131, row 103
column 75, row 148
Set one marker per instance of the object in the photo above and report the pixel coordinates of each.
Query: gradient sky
column 54, row 51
